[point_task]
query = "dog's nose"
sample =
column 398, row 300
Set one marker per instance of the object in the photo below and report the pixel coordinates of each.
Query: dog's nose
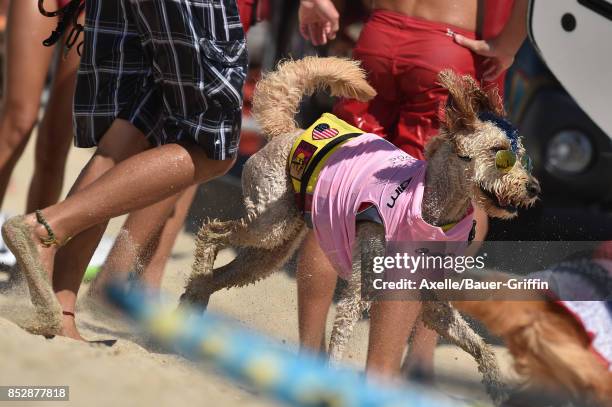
column 533, row 188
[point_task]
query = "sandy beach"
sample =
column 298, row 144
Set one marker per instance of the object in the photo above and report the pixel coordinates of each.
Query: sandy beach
column 135, row 373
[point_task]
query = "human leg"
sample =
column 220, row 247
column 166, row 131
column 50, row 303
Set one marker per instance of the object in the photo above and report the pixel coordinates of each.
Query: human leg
column 146, row 240
column 25, row 58
column 419, row 362
column 202, row 132
column 316, row 281
column 54, row 137
column 399, row 68
column 36, row 259
column 212, row 85
column 155, row 253
column 180, row 171
column 391, row 322
column 155, row 263
column 77, row 253
column 130, row 186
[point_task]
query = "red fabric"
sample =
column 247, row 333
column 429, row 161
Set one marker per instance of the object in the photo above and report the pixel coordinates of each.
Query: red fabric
column 263, row 11
column 590, row 334
column 403, row 56
column 496, row 14
column 62, row 3
column 245, row 8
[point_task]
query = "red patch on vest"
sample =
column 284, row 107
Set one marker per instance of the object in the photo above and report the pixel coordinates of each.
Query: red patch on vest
column 300, row 159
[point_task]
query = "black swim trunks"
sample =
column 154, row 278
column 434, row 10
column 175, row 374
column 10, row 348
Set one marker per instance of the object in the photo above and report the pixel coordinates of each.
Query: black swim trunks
column 172, row 68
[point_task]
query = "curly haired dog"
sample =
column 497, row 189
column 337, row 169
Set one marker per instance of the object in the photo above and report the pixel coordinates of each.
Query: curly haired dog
column 461, row 168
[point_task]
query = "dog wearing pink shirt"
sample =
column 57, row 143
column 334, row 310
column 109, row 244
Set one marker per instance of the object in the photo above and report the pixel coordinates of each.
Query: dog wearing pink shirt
column 364, row 169
column 477, row 157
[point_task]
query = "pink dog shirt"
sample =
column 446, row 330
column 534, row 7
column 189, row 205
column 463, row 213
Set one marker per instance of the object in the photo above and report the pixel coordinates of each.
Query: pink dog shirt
column 369, row 169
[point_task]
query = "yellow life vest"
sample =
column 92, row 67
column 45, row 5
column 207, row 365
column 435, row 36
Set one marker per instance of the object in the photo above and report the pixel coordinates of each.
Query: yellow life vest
column 310, row 152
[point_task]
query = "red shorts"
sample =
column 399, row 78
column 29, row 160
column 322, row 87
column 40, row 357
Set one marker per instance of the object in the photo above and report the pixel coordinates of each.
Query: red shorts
column 245, row 8
column 403, row 56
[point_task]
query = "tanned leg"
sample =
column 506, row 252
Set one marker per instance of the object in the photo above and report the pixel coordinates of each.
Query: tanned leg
column 130, row 185
column 391, row 322
column 139, row 235
column 146, row 240
column 77, row 253
column 25, row 58
column 316, row 281
column 125, row 187
column 420, row 359
column 155, row 264
column 54, row 136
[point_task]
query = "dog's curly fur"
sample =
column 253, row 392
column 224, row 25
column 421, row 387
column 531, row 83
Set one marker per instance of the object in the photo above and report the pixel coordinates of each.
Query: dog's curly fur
column 273, row 227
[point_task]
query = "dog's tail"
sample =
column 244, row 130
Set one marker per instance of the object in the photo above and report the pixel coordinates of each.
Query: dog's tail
column 278, row 94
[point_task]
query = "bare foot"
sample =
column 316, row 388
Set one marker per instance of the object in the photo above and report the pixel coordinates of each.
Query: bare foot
column 46, row 254
column 69, row 328
column 23, row 237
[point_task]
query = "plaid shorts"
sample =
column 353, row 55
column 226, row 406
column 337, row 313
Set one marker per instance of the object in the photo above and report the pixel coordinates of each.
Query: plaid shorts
column 172, row 68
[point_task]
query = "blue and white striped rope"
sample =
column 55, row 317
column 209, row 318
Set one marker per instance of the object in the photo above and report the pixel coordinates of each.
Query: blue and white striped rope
column 298, row 380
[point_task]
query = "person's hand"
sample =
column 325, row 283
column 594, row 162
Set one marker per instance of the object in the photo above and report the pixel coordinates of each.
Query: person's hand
column 319, row 21
column 497, row 59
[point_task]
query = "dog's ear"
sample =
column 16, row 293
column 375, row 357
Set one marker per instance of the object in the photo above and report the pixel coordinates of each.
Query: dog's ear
column 465, row 100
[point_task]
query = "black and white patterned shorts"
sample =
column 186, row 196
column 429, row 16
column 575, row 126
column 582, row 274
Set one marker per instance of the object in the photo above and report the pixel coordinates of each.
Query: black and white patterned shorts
column 172, row 68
